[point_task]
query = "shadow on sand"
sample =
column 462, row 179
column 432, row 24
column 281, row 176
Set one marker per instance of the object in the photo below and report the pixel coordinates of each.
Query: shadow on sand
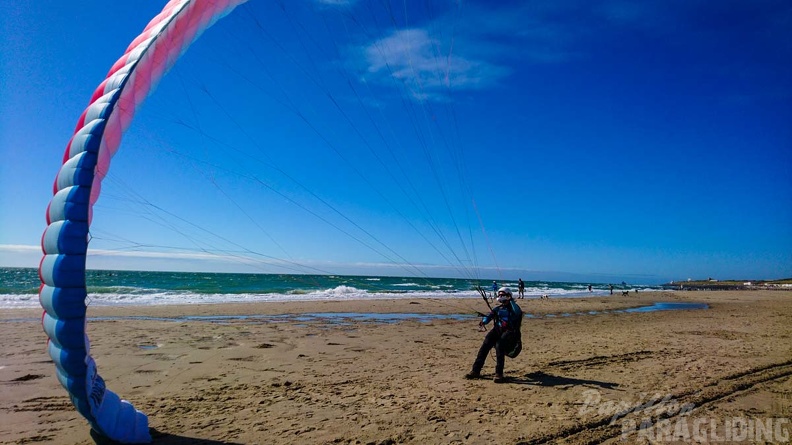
column 164, row 439
column 540, row 378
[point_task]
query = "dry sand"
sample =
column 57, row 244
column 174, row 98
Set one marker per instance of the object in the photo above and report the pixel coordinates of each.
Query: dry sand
column 247, row 381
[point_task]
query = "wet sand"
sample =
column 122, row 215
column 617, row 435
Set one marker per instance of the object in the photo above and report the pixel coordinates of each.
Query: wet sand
column 248, row 380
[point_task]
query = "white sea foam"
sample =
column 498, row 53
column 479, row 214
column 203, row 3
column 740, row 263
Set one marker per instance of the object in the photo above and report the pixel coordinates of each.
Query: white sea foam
column 8, row 301
column 139, row 297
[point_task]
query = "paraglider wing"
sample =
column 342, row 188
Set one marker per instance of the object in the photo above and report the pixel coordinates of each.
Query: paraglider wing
column 85, row 163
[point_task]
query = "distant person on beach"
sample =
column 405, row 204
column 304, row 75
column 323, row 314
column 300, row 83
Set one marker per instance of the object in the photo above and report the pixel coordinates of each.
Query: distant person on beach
column 589, row 288
column 494, row 289
column 504, row 335
column 611, row 288
column 521, row 288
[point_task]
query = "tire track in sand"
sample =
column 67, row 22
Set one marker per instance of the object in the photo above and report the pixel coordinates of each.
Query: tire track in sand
column 602, row 429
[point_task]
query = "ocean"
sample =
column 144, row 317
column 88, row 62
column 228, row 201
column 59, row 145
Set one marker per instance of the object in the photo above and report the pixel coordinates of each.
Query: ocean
column 19, row 287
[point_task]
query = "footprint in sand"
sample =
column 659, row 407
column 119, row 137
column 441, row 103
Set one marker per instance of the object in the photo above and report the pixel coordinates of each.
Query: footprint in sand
column 28, row 377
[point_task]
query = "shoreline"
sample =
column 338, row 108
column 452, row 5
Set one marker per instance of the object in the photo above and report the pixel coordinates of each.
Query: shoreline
column 448, row 305
column 30, row 301
column 318, row 382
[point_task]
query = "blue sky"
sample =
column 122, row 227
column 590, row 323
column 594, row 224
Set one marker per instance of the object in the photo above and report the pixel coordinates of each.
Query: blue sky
column 587, row 141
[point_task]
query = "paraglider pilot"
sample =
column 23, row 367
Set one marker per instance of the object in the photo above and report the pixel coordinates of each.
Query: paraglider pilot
column 504, row 335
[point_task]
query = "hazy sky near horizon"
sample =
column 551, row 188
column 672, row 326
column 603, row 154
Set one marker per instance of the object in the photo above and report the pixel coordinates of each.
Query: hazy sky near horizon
column 606, row 140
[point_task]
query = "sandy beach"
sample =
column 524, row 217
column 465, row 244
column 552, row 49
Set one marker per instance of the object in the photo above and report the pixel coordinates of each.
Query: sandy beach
column 582, row 377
